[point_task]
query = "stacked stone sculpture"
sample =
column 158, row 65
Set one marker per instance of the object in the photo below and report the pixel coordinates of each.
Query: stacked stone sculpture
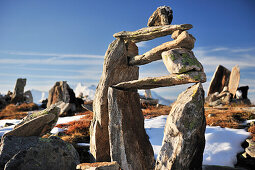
column 117, row 130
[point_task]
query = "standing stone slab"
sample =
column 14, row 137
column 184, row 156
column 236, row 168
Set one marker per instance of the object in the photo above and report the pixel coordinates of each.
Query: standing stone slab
column 181, row 60
column 184, row 141
column 17, row 96
column 234, row 80
column 129, row 143
column 219, row 80
column 115, row 70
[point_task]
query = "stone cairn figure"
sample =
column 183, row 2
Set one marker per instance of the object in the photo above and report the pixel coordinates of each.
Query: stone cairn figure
column 18, row 94
column 117, row 130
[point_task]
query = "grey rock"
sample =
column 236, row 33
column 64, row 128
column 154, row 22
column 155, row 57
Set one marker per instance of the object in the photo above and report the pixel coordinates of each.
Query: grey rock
column 36, row 123
column 181, row 60
column 129, row 143
column 99, row 166
column 162, row 16
column 17, row 96
column 219, row 80
column 51, row 153
column 176, row 34
column 115, row 70
column 184, row 141
column 28, row 97
column 250, row 150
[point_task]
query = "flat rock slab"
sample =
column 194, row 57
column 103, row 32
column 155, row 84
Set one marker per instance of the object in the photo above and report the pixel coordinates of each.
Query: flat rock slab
column 184, row 135
column 149, row 33
column 162, row 16
column 164, row 81
column 129, row 143
column 181, row 60
column 99, row 166
column 115, row 70
column 219, row 80
column 234, row 80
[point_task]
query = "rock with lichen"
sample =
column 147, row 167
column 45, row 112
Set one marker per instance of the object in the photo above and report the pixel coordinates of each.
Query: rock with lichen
column 162, row 16
column 181, row 60
column 184, row 141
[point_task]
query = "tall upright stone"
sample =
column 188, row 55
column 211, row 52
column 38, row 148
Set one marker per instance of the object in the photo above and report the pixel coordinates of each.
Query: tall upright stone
column 129, row 143
column 219, row 80
column 115, row 70
column 17, row 96
column 162, row 16
column 184, row 141
column 234, row 80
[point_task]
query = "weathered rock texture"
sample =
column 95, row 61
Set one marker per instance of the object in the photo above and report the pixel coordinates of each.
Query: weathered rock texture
column 162, row 16
column 37, row 123
column 150, row 33
column 234, row 80
column 28, row 97
column 115, row 70
column 250, row 150
column 17, row 96
column 37, row 153
column 180, row 60
column 219, row 80
column 164, row 81
column 184, row 40
column 99, row 166
column 62, row 92
column 184, row 140
column 129, row 143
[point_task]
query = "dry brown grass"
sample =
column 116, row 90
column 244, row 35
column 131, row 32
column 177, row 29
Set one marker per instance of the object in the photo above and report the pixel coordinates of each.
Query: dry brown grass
column 252, row 130
column 77, row 131
column 152, row 111
column 12, row 111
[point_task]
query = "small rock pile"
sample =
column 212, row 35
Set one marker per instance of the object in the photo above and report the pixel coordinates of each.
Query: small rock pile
column 224, row 90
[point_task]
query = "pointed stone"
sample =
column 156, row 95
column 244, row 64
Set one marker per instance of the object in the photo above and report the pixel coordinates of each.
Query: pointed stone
column 181, row 60
column 234, row 80
column 115, row 70
column 18, row 93
column 219, row 80
column 184, row 141
column 162, row 16
column 129, row 143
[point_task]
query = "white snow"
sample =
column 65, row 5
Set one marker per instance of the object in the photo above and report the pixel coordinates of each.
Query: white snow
column 222, row 144
column 85, row 91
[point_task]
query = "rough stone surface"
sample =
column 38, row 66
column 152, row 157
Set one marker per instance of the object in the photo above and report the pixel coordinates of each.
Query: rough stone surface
column 28, row 97
column 181, row 60
column 162, row 16
column 176, row 34
column 234, row 80
column 184, row 40
column 150, row 33
column 250, row 150
column 184, row 141
column 115, row 70
column 36, row 123
column 147, row 94
column 129, row 143
column 164, row 81
column 17, row 96
column 99, row 166
column 51, row 153
column 62, row 92
column 219, row 80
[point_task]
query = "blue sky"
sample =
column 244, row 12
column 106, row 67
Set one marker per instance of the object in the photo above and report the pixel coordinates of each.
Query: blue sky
column 53, row 40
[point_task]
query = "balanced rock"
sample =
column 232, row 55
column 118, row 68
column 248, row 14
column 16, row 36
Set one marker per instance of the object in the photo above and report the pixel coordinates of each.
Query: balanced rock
column 234, row 80
column 99, row 166
column 37, row 123
column 115, row 70
column 176, row 34
column 129, row 143
column 62, row 92
column 184, row 141
column 219, row 80
column 17, row 96
column 181, row 60
column 38, row 153
column 162, row 16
